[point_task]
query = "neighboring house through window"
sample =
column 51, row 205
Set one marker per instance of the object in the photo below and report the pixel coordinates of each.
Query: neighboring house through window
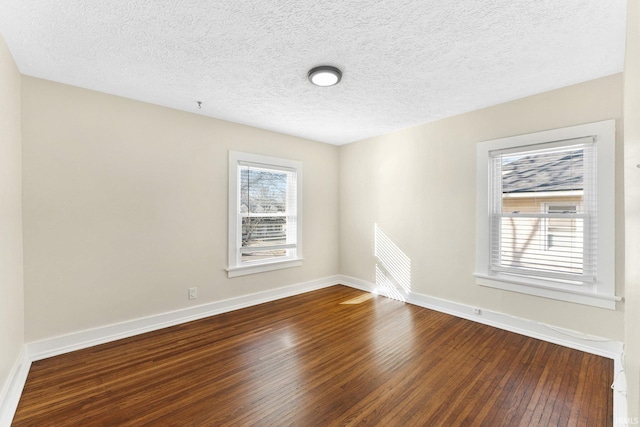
column 545, row 214
column 265, row 230
column 539, row 192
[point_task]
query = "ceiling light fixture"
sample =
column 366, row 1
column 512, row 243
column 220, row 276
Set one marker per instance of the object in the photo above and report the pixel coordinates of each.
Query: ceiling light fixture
column 325, row 75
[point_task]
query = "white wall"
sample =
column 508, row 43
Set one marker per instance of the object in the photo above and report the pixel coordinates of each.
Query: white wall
column 418, row 187
column 125, row 207
column 11, row 286
column 632, row 206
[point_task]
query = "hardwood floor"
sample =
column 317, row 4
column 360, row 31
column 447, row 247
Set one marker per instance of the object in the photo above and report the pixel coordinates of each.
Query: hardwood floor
column 332, row 357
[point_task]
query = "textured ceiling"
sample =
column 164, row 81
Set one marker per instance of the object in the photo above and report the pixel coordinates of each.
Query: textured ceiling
column 404, row 62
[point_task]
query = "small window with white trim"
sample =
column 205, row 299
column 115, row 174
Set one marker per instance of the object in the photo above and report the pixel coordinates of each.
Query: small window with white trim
column 562, row 230
column 265, row 195
column 546, row 214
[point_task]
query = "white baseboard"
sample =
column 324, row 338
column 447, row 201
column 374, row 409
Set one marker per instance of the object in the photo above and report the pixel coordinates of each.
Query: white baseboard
column 10, row 394
column 590, row 344
column 83, row 339
column 565, row 337
column 37, row 350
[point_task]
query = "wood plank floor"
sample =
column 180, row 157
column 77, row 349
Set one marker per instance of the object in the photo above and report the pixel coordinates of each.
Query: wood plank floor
column 332, row 357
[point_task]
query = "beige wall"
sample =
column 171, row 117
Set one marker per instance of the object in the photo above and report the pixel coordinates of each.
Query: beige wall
column 632, row 206
column 11, row 288
column 125, row 207
column 418, row 186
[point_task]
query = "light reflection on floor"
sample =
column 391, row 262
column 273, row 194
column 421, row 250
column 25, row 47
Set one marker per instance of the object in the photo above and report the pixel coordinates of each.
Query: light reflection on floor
column 357, row 300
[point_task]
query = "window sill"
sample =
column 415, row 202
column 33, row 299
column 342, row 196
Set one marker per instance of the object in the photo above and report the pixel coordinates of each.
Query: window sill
column 261, row 268
column 521, row 285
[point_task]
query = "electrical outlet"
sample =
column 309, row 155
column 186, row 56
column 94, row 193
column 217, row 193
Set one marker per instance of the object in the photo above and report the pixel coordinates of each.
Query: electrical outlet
column 193, row 293
column 476, row 310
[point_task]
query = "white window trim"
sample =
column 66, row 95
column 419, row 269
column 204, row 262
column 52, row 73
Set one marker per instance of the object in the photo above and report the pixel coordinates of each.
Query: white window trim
column 235, row 268
column 602, row 293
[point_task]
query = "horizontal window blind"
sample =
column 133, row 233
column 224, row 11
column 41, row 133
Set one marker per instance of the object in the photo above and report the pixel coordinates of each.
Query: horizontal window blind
column 543, row 211
column 267, row 212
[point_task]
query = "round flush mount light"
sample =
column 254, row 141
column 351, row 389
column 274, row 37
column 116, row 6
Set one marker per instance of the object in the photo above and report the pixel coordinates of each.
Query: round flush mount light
column 325, row 75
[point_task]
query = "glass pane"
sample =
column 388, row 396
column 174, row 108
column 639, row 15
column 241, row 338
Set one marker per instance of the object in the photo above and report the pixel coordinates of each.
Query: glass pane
column 549, row 182
column 262, row 190
column 535, row 182
column 526, row 242
column 262, row 231
column 263, row 207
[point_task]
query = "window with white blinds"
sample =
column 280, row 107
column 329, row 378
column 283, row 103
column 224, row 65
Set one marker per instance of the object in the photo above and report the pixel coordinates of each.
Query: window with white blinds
column 264, row 213
column 546, row 214
column 544, row 211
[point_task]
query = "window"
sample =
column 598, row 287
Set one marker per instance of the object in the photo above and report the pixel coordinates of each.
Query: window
column 560, row 229
column 264, row 213
column 545, row 214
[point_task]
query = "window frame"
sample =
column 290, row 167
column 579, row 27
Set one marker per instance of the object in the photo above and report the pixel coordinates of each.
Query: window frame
column 235, row 266
column 602, row 292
